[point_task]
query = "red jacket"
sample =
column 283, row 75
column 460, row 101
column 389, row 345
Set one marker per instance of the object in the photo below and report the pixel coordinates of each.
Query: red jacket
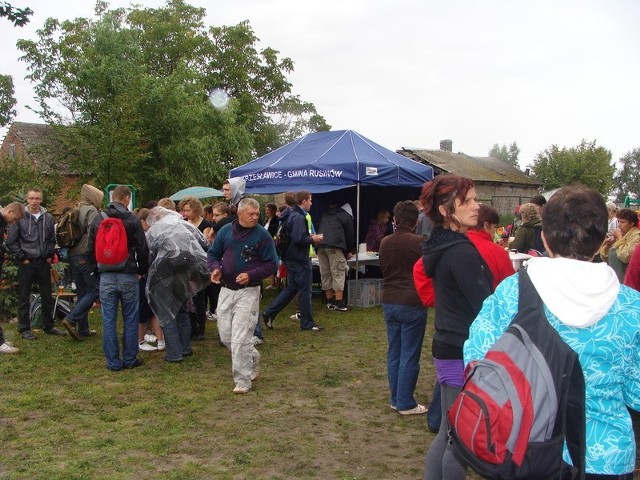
column 424, row 285
column 632, row 277
column 496, row 257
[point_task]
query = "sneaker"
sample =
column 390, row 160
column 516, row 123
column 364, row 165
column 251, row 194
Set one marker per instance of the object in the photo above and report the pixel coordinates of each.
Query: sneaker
column 28, row 335
column 9, row 343
column 241, row 390
column 135, row 364
column 161, row 345
column 56, row 331
column 268, row 321
column 150, row 338
column 6, row 348
column 256, row 341
column 315, row 328
column 212, row 317
column 71, row 328
column 340, row 306
column 331, row 303
column 295, row 316
column 417, row 410
column 145, row 347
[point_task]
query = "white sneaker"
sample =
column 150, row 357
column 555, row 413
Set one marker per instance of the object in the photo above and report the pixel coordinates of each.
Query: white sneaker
column 295, row 316
column 150, row 338
column 212, row 317
column 145, row 347
column 6, row 348
column 161, row 345
column 256, row 341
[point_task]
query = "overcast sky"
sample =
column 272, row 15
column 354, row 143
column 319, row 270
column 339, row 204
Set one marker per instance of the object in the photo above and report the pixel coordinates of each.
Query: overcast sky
column 409, row 73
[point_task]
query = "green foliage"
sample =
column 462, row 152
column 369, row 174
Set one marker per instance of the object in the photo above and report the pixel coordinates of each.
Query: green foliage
column 7, row 100
column 627, row 179
column 585, row 164
column 19, row 174
column 19, row 16
column 135, row 83
column 508, row 155
column 8, row 290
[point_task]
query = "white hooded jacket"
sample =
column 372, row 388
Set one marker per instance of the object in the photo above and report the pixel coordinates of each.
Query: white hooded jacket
column 578, row 293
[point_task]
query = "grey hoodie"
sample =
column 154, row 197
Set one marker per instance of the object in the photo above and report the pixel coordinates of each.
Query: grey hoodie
column 237, row 185
column 31, row 238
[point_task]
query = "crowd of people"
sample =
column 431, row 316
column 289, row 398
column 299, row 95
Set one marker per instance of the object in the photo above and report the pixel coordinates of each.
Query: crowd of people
column 190, row 263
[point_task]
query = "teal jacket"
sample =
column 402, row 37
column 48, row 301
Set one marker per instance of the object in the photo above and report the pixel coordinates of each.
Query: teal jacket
column 609, row 353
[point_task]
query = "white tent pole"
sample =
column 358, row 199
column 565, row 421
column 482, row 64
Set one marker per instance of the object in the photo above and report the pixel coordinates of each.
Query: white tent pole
column 357, row 240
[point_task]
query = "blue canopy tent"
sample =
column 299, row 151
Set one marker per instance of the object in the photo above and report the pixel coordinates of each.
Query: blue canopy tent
column 327, row 161
column 324, row 162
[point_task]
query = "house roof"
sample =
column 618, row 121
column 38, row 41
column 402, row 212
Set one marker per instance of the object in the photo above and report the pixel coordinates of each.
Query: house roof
column 41, row 146
column 479, row 169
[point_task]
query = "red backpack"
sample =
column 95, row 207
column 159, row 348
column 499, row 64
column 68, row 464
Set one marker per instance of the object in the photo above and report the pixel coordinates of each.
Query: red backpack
column 112, row 247
column 522, row 402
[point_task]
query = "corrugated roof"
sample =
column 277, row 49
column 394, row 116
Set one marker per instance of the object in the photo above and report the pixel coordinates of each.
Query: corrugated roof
column 479, row 169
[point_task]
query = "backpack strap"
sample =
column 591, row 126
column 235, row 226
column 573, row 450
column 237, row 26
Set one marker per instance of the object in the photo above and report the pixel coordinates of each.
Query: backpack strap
column 573, row 422
column 574, row 427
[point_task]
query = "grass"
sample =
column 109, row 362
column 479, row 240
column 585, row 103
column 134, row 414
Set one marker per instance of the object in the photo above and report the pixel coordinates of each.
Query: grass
column 319, row 409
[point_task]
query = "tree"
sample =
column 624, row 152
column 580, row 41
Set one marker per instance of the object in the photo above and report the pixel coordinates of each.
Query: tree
column 7, row 100
column 585, row 164
column 508, row 155
column 18, row 174
column 19, row 16
column 627, row 179
column 134, row 85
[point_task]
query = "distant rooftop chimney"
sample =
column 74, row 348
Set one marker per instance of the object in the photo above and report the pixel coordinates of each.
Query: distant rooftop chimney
column 446, row 145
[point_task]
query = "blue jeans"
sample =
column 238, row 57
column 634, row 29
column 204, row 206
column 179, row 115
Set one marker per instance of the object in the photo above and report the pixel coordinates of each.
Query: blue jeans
column 257, row 332
column 298, row 282
column 177, row 336
column 405, row 332
column 118, row 288
column 87, row 290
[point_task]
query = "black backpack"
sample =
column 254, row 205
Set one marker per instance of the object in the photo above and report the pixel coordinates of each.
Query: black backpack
column 522, row 401
column 282, row 238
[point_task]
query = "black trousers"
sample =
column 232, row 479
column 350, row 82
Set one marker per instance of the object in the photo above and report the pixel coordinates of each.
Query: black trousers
column 37, row 271
column 199, row 320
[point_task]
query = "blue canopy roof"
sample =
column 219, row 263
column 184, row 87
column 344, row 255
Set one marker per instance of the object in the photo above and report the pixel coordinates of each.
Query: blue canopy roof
column 326, row 161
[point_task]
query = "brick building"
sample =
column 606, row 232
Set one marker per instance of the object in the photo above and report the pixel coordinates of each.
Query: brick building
column 37, row 143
